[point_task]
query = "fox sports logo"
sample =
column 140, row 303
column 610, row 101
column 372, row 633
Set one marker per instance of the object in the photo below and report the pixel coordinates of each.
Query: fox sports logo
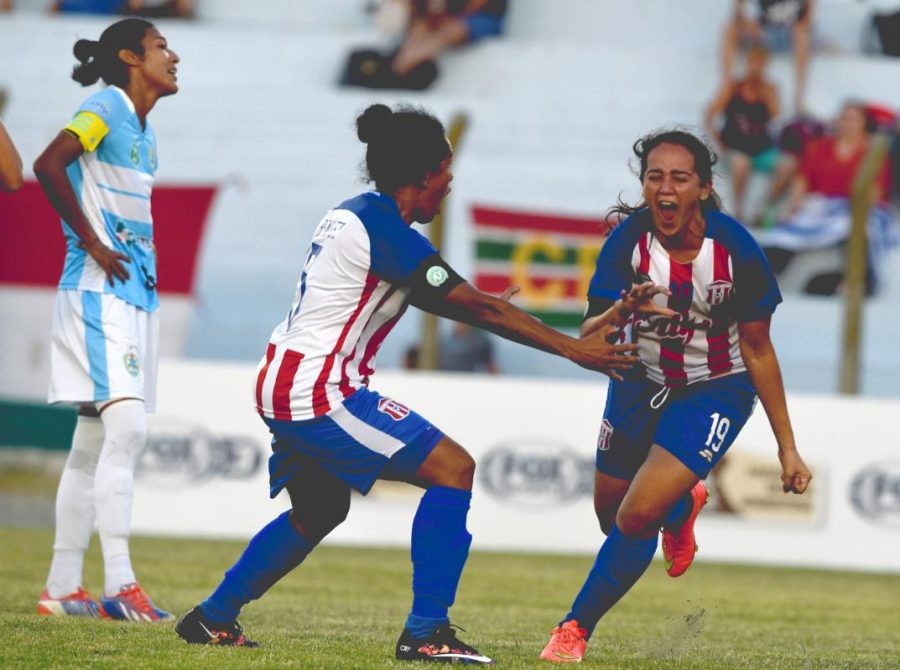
column 537, row 473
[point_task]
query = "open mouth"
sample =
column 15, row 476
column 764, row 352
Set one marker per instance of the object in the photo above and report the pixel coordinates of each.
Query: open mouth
column 667, row 210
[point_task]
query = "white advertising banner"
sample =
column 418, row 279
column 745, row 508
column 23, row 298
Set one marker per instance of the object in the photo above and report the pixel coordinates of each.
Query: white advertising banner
column 204, row 472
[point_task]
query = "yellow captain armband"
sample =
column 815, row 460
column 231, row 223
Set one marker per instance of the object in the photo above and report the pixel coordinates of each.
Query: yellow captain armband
column 88, row 128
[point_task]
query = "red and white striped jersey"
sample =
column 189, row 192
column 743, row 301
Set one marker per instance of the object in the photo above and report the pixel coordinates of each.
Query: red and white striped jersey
column 352, row 291
column 729, row 281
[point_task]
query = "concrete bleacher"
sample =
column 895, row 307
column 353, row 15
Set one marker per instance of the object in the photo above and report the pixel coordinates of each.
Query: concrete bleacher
column 554, row 106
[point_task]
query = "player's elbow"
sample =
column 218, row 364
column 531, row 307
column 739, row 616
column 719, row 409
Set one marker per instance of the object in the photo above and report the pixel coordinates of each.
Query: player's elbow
column 11, row 181
column 43, row 167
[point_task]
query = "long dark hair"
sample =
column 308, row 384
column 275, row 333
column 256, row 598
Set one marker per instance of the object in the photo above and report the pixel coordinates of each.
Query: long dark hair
column 704, row 161
column 403, row 146
column 100, row 58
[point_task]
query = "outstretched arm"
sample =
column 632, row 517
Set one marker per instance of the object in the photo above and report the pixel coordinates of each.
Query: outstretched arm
column 765, row 373
column 467, row 304
column 10, row 163
column 50, row 169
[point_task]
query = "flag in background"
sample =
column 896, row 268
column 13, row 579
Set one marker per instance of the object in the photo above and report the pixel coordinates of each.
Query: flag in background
column 550, row 258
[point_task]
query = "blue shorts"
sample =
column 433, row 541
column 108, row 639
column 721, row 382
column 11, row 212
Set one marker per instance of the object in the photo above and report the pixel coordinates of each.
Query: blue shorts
column 695, row 423
column 367, row 437
column 480, row 26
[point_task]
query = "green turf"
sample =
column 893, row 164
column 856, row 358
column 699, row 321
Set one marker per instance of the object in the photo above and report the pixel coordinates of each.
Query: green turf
column 344, row 608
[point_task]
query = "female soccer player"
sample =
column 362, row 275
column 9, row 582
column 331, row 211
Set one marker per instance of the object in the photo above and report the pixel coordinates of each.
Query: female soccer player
column 703, row 365
column 98, row 174
column 331, row 432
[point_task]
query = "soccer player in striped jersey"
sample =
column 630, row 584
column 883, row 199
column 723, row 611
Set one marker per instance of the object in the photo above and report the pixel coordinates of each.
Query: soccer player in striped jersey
column 331, row 433
column 705, row 356
column 98, row 175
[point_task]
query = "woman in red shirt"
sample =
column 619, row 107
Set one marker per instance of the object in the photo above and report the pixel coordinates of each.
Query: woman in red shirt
column 818, row 214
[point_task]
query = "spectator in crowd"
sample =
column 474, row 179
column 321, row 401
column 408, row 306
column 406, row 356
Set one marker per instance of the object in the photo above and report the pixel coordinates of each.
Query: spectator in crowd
column 778, row 24
column 149, row 8
column 818, row 211
column 746, row 108
column 792, row 141
column 182, row 9
column 468, row 349
column 10, row 163
column 89, row 6
column 437, row 25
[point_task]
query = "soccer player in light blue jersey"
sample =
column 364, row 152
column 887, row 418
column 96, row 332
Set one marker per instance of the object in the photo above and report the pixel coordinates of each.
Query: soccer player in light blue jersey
column 98, row 175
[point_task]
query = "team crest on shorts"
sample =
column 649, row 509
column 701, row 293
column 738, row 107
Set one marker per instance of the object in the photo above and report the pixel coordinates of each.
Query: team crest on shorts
column 393, row 409
column 606, row 431
column 132, row 362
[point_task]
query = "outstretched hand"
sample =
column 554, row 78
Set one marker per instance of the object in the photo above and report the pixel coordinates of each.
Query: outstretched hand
column 639, row 300
column 598, row 353
column 109, row 260
column 795, row 476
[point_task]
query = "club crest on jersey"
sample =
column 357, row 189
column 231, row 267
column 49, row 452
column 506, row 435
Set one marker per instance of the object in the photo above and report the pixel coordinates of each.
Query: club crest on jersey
column 132, row 362
column 393, row 409
column 606, row 431
column 718, row 292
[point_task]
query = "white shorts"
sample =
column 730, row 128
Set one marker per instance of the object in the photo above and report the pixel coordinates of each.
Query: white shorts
column 102, row 348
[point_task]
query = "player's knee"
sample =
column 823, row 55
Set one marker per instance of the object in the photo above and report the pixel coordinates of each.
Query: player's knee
column 636, row 521
column 315, row 523
column 463, row 472
column 606, row 518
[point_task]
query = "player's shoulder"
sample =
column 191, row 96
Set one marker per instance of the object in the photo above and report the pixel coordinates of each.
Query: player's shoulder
column 373, row 209
column 629, row 231
column 732, row 233
column 107, row 103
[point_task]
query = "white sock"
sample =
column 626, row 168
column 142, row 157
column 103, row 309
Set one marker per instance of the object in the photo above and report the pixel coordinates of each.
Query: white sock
column 75, row 508
column 125, row 424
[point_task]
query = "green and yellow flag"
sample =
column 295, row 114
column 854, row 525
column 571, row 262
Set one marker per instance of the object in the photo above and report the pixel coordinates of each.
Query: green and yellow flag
column 550, row 258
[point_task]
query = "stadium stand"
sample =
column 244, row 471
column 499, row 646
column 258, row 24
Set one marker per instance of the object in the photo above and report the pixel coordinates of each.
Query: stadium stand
column 554, row 107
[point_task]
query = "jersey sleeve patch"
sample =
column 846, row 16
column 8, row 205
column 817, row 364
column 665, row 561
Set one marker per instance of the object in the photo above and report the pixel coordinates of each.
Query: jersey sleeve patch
column 433, row 280
column 89, row 129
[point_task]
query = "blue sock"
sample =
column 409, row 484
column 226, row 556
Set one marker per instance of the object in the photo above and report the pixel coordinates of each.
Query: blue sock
column 679, row 511
column 271, row 554
column 620, row 562
column 440, row 547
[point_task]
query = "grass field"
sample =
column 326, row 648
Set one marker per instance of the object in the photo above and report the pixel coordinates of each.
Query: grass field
column 344, row 609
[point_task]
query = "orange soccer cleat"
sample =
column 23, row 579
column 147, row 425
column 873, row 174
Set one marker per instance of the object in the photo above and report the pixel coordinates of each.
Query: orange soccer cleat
column 567, row 644
column 679, row 547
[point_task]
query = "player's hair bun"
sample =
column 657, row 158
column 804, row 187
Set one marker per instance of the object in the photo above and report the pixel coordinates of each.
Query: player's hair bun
column 88, row 72
column 373, row 122
column 85, row 50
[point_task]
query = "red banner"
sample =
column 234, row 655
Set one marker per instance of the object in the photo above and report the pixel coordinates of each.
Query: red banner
column 33, row 249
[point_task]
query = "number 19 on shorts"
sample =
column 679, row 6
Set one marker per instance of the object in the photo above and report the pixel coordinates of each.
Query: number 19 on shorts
column 718, row 431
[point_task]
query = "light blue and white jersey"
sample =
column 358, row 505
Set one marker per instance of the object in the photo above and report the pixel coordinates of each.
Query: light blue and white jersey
column 113, row 185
